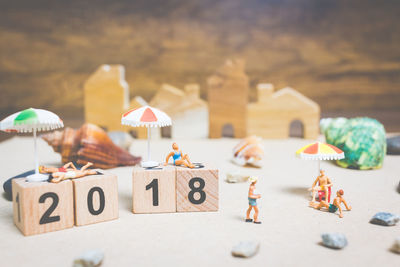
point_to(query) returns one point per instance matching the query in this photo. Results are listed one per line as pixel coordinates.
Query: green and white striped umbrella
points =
(32, 120)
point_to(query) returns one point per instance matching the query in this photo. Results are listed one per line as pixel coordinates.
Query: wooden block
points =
(96, 198)
(42, 207)
(196, 189)
(153, 190)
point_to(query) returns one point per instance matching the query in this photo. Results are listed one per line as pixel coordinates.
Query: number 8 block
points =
(41, 207)
(196, 189)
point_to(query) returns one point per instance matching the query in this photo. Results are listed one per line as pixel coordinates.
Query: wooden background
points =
(343, 54)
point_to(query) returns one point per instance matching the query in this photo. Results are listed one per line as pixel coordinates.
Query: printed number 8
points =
(198, 189)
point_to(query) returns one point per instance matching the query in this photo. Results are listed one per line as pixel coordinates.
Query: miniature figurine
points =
(68, 171)
(321, 183)
(253, 196)
(332, 207)
(179, 158)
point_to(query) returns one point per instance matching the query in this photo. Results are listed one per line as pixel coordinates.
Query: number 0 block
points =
(153, 190)
(41, 207)
(196, 189)
(96, 198)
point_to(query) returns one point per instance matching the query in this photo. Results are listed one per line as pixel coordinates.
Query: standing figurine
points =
(321, 183)
(179, 158)
(68, 171)
(333, 207)
(253, 196)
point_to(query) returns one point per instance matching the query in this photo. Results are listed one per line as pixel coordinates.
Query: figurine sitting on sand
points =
(333, 207)
(321, 183)
(253, 196)
(68, 171)
(179, 158)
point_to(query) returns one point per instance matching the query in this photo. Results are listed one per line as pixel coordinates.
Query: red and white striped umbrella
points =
(148, 117)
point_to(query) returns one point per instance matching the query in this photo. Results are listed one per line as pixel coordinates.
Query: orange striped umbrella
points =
(320, 151)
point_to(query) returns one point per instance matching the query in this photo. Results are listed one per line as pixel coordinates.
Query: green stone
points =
(363, 141)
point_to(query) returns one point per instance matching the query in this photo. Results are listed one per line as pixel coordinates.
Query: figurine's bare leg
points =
(314, 193)
(186, 157)
(89, 164)
(248, 212)
(326, 194)
(182, 162)
(255, 214)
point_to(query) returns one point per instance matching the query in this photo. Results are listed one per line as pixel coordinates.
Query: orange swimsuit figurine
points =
(253, 196)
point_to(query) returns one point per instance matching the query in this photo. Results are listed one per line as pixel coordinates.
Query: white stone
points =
(246, 249)
(90, 258)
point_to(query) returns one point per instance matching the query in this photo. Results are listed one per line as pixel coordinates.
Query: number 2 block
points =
(41, 207)
(153, 190)
(196, 189)
(96, 198)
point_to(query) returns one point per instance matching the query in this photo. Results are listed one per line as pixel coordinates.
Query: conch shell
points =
(89, 143)
(249, 151)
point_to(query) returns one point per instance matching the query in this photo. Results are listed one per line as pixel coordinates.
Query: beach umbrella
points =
(149, 117)
(320, 151)
(28, 121)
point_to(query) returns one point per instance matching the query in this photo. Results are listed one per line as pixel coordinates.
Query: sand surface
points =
(289, 235)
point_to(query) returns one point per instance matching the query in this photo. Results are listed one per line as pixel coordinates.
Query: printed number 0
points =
(198, 189)
(90, 200)
(46, 218)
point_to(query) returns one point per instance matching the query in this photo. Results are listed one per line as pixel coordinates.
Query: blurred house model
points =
(189, 113)
(106, 97)
(273, 113)
(228, 91)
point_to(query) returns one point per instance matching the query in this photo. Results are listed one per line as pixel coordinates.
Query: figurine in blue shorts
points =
(253, 196)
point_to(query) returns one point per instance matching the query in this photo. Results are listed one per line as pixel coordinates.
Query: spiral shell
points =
(249, 151)
(89, 143)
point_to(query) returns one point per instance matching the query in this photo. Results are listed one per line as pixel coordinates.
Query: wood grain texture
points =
(90, 189)
(28, 212)
(272, 114)
(183, 190)
(143, 199)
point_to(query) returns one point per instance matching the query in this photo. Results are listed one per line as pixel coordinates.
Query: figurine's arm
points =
(315, 182)
(329, 184)
(167, 159)
(340, 211)
(69, 164)
(345, 204)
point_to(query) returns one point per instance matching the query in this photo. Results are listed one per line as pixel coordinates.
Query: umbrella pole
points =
(35, 151)
(148, 143)
(319, 166)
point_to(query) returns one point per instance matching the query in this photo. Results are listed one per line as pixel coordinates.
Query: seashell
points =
(121, 139)
(89, 143)
(249, 151)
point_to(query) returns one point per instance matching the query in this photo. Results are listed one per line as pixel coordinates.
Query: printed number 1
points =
(154, 185)
(19, 210)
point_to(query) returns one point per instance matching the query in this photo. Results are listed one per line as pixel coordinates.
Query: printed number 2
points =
(46, 218)
(154, 185)
(198, 189)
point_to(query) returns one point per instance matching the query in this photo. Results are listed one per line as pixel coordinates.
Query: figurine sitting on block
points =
(68, 171)
(333, 207)
(179, 158)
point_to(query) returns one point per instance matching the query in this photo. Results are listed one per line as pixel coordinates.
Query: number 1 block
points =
(41, 207)
(196, 189)
(153, 190)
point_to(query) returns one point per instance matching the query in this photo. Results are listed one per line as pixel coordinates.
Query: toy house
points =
(228, 91)
(106, 97)
(189, 113)
(273, 113)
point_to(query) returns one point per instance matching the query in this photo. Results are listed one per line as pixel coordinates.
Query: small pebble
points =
(393, 145)
(236, 177)
(385, 219)
(396, 245)
(334, 240)
(90, 258)
(246, 249)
